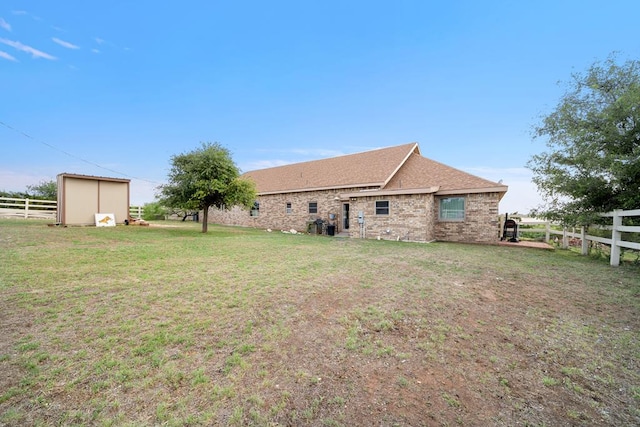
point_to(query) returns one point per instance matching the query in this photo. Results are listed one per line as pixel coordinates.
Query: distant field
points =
(163, 325)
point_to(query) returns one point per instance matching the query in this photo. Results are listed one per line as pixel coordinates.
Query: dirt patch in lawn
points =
(500, 354)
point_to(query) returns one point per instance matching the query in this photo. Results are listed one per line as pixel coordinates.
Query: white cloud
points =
(95, 51)
(99, 40)
(4, 24)
(483, 170)
(19, 12)
(18, 181)
(5, 55)
(262, 164)
(65, 43)
(317, 152)
(521, 197)
(35, 53)
(142, 192)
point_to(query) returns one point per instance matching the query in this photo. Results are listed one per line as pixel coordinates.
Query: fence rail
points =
(27, 208)
(615, 241)
(11, 207)
(135, 211)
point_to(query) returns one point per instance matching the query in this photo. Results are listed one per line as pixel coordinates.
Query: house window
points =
(382, 207)
(313, 207)
(451, 209)
(255, 209)
(289, 207)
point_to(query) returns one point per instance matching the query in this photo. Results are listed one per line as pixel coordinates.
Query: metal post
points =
(26, 208)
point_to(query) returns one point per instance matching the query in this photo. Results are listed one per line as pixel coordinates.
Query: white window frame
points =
(316, 207)
(288, 208)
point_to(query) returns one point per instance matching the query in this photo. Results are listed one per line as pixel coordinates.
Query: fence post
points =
(583, 239)
(616, 236)
(565, 239)
(26, 208)
(547, 228)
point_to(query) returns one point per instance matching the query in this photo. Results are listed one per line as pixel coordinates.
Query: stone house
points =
(391, 193)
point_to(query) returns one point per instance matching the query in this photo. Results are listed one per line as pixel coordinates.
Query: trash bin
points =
(331, 230)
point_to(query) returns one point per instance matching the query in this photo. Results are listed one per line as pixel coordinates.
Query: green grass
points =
(168, 326)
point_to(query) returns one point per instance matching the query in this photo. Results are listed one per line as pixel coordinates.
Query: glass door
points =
(345, 216)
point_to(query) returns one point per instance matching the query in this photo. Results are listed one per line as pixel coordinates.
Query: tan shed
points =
(81, 197)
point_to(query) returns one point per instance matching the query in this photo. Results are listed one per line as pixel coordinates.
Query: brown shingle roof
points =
(393, 168)
(421, 172)
(368, 169)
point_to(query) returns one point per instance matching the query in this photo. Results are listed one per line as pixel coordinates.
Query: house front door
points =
(345, 216)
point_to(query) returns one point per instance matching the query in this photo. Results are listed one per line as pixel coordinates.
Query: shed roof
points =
(92, 177)
(398, 168)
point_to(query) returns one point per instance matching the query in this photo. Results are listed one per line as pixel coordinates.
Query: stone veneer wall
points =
(235, 216)
(411, 217)
(273, 213)
(481, 223)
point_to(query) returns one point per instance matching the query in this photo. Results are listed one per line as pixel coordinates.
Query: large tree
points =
(593, 137)
(205, 177)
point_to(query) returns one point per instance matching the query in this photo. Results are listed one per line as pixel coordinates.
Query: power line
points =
(26, 135)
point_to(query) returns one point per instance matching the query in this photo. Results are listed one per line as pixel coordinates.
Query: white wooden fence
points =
(27, 208)
(135, 211)
(42, 209)
(615, 241)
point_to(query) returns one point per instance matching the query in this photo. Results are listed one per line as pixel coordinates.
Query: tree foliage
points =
(153, 211)
(46, 190)
(14, 194)
(593, 136)
(203, 178)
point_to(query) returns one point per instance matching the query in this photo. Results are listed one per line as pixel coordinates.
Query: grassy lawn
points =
(163, 325)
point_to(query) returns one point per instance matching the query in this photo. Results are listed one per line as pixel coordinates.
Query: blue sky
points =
(116, 88)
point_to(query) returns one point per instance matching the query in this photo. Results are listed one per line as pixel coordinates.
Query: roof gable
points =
(420, 172)
(368, 169)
